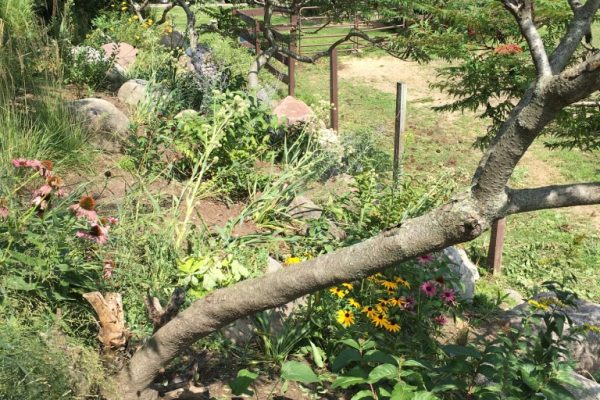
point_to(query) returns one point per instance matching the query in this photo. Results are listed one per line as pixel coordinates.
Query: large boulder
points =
(465, 269)
(294, 111)
(124, 54)
(173, 40)
(103, 118)
(586, 318)
(133, 92)
(587, 390)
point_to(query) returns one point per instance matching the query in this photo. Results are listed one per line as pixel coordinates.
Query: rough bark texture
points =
(462, 219)
(113, 333)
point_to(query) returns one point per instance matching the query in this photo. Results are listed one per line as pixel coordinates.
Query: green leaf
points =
(240, 384)
(238, 270)
(384, 371)
(363, 394)
(345, 382)
(344, 358)
(316, 354)
(413, 363)
(299, 372)
(352, 343)
(454, 350)
(379, 357)
(18, 283)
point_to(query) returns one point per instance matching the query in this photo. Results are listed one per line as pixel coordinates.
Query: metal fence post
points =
(400, 124)
(333, 89)
(496, 245)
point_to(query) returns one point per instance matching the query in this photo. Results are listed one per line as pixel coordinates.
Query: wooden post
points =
(400, 125)
(257, 38)
(355, 40)
(291, 61)
(333, 90)
(496, 245)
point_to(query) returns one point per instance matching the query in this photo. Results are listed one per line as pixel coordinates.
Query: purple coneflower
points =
(448, 296)
(3, 213)
(97, 233)
(409, 303)
(429, 288)
(440, 320)
(425, 259)
(85, 209)
(107, 271)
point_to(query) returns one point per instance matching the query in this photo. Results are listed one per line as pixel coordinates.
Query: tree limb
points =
(578, 28)
(191, 25)
(166, 11)
(526, 200)
(522, 10)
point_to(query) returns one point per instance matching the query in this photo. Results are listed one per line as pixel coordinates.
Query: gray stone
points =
(173, 40)
(303, 208)
(585, 351)
(587, 390)
(133, 92)
(465, 269)
(102, 117)
(186, 114)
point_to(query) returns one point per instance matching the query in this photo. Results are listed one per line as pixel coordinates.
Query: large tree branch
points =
(191, 25)
(522, 10)
(526, 200)
(578, 28)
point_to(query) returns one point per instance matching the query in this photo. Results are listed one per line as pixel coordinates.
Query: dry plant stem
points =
(462, 219)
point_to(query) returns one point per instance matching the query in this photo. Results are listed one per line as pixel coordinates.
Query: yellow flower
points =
(370, 311)
(392, 326)
(402, 282)
(389, 285)
(354, 303)
(292, 260)
(338, 292)
(345, 317)
(379, 320)
(150, 21)
(396, 301)
(347, 285)
(124, 8)
(537, 305)
(374, 278)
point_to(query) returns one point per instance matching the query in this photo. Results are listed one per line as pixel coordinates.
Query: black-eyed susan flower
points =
(347, 286)
(403, 282)
(369, 311)
(345, 317)
(379, 320)
(338, 292)
(354, 303)
(392, 326)
(396, 301)
(389, 285)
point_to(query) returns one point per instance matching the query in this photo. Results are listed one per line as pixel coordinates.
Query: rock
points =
(115, 76)
(102, 117)
(514, 297)
(124, 54)
(242, 331)
(266, 94)
(203, 63)
(173, 40)
(133, 91)
(293, 111)
(186, 114)
(304, 208)
(585, 351)
(587, 390)
(466, 270)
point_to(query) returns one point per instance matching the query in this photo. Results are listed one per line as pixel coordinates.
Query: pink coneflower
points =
(96, 234)
(409, 303)
(109, 221)
(85, 209)
(43, 167)
(429, 288)
(448, 296)
(425, 259)
(440, 320)
(3, 213)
